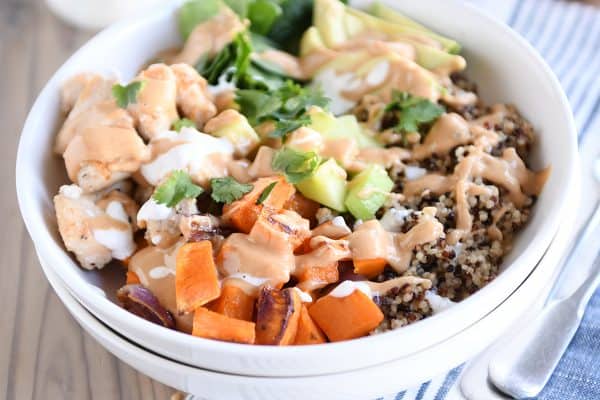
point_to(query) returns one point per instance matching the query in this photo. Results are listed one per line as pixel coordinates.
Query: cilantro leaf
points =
(125, 95)
(182, 123)
(412, 111)
(194, 12)
(287, 106)
(226, 190)
(262, 14)
(263, 196)
(296, 165)
(177, 187)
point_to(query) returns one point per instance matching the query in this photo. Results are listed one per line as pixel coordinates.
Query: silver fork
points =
(522, 368)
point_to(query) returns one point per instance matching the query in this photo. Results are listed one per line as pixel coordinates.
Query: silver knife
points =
(523, 367)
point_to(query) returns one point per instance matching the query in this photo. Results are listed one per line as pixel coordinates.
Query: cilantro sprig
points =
(176, 187)
(125, 95)
(287, 106)
(227, 190)
(412, 112)
(295, 165)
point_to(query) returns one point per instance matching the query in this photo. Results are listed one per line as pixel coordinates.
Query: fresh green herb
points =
(125, 95)
(296, 165)
(233, 61)
(182, 123)
(413, 111)
(295, 18)
(194, 12)
(263, 196)
(287, 106)
(240, 7)
(227, 190)
(262, 15)
(177, 187)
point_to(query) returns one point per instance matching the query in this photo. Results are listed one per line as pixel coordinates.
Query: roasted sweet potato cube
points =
(283, 225)
(308, 331)
(211, 325)
(305, 207)
(243, 213)
(196, 278)
(349, 317)
(369, 268)
(277, 315)
(234, 302)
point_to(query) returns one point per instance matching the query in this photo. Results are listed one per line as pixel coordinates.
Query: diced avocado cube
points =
(327, 185)
(345, 126)
(367, 192)
(234, 127)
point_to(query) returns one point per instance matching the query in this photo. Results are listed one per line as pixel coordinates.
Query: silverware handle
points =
(525, 363)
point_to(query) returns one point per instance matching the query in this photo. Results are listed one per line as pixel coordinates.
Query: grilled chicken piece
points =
(96, 229)
(193, 98)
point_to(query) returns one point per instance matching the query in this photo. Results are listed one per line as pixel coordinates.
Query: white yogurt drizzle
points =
(437, 302)
(305, 297)
(346, 288)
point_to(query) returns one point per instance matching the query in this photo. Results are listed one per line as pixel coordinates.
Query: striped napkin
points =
(567, 35)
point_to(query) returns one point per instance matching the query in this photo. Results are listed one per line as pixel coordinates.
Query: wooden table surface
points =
(44, 354)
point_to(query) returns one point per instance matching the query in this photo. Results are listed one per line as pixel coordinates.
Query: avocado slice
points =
(327, 185)
(368, 191)
(391, 15)
(233, 126)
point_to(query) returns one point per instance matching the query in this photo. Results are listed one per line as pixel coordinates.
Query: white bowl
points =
(506, 69)
(365, 383)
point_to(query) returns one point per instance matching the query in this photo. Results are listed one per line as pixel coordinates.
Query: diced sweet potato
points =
(319, 267)
(349, 317)
(196, 278)
(243, 213)
(283, 225)
(307, 208)
(369, 268)
(234, 302)
(308, 331)
(277, 315)
(132, 278)
(212, 325)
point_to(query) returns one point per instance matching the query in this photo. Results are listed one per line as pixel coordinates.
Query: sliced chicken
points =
(95, 229)
(102, 155)
(89, 102)
(156, 108)
(193, 98)
(162, 223)
(210, 37)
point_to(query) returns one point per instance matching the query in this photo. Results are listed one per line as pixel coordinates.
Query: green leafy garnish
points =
(296, 165)
(182, 123)
(194, 12)
(233, 61)
(262, 14)
(287, 106)
(227, 190)
(125, 95)
(412, 112)
(177, 187)
(296, 17)
(263, 196)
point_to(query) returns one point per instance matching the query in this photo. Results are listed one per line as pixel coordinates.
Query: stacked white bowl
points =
(506, 69)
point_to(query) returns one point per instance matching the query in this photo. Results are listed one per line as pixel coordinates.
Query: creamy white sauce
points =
(346, 288)
(222, 85)
(251, 280)
(333, 84)
(71, 191)
(340, 222)
(437, 302)
(119, 242)
(189, 156)
(411, 172)
(305, 297)
(116, 211)
(152, 211)
(393, 219)
(358, 223)
(155, 239)
(378, 74)
(160, 272)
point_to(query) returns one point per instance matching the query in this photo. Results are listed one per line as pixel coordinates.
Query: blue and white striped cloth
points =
(567, 35)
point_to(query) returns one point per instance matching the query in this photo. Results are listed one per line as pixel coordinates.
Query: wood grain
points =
(44, 354)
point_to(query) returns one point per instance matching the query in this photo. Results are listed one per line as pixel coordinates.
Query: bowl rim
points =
(60, 257)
